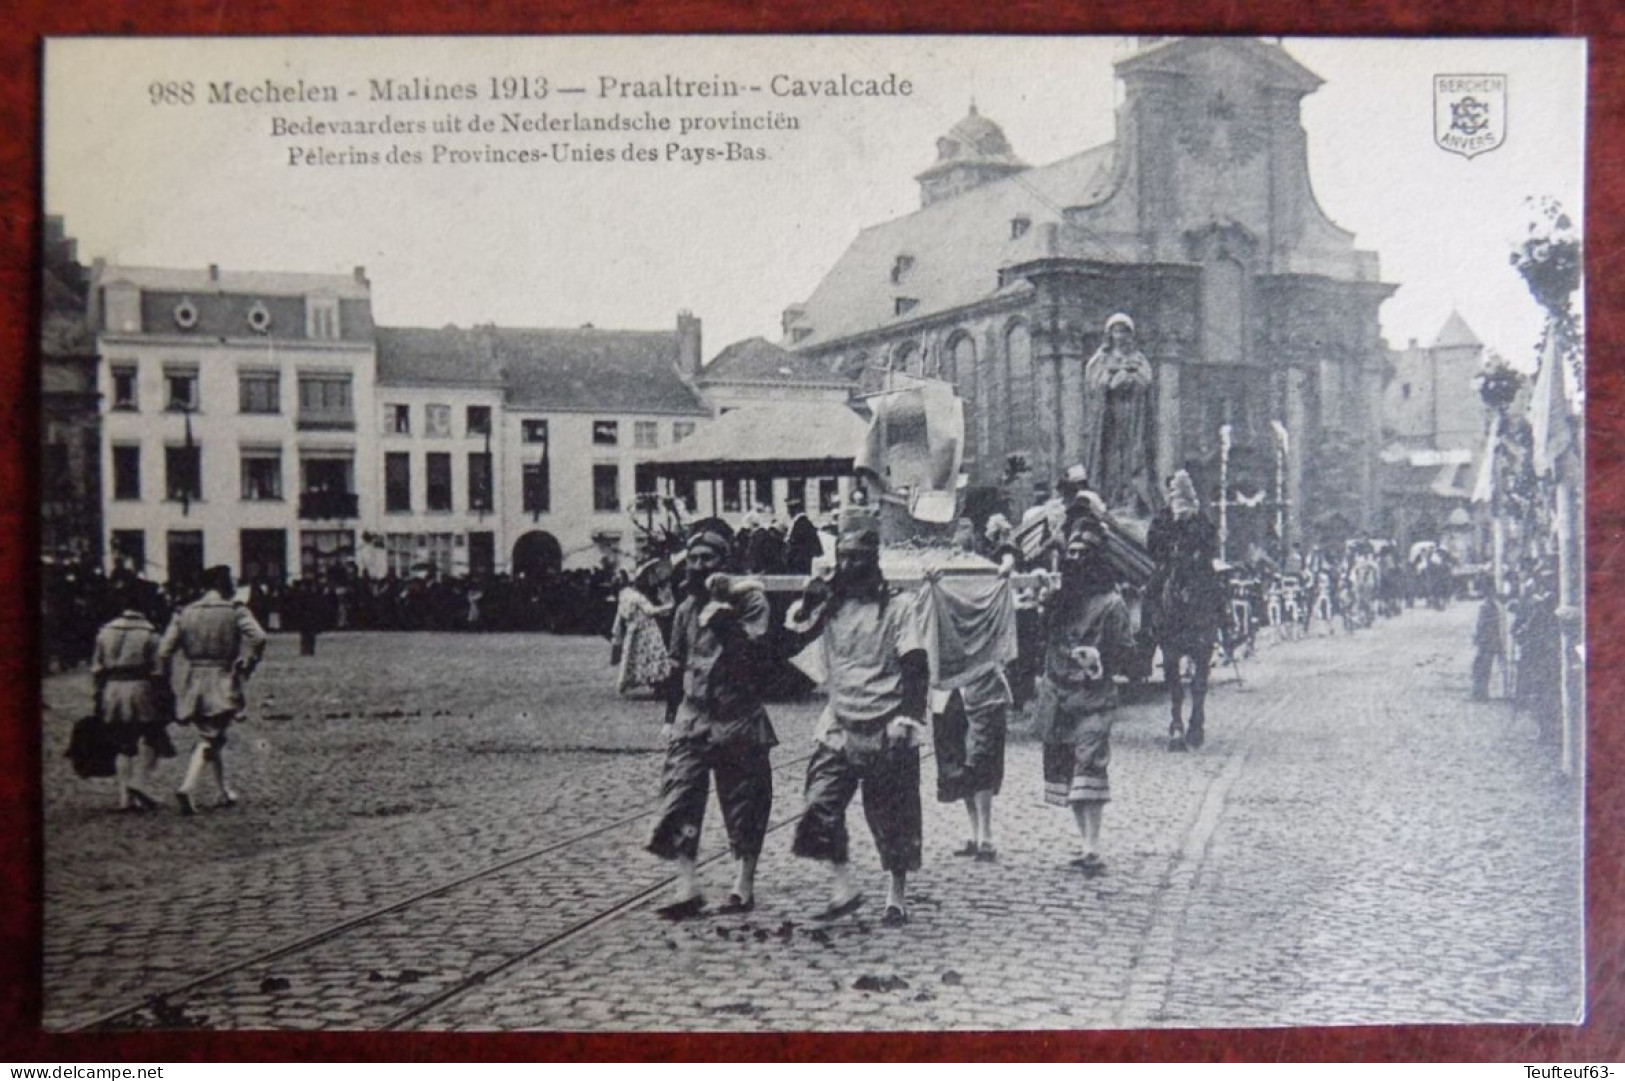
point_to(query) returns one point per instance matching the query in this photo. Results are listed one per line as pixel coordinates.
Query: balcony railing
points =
(326, 420)
(337, 505)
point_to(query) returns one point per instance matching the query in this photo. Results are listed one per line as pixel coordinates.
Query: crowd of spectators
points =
(77, 599)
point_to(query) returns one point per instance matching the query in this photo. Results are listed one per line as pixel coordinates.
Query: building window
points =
(533, 431)
(325, 402)
(646, 434)
(398, 549)
(606, 487)
(437, 421)
(259, 392)
(681, 430)
(480, 498)
(322, 317)
(904, 305)
(1019, 227)
(328, 488)
(1405, 391)
(262, 475)
(438, 469)
(264, 555)
(479, 420)
(900, 268)
(183, 473)
(325, 552)
(537, 489)
(397, 419)
(130, 549)
(185, 556)
(606, 433)
(686, 493)
(482, 554)
(127, 472)
(829, 493)
(124, 388)
(397, 483)
(438, 550)
(180, 390)
(731, 501)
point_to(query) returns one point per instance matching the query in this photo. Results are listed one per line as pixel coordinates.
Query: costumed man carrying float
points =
(715, 725)
(1186, 603)
(877, 679)
(1088, 639)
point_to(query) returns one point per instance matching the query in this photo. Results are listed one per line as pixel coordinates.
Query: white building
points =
(230, 417)
(573, 414)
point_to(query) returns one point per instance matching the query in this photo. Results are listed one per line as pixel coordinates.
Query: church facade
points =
(1259, 315)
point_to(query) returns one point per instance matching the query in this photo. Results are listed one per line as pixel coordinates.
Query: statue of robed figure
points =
(1117, 410)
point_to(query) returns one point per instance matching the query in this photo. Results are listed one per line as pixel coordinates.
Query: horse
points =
(1190, 606)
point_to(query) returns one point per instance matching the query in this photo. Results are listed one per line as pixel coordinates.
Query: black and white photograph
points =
(1103, 516)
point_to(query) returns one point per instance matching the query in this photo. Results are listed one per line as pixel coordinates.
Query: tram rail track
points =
(177, 998)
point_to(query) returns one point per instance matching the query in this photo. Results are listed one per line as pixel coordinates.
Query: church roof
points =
(545, 369)
(1171, 54)
(974, 140)
(757, 360)
(954, 246)
(1455, 333)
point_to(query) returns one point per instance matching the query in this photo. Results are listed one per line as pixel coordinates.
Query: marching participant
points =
(715, 725)
(130, 699)
(1088, 640)
(868, 737)
(222, 644)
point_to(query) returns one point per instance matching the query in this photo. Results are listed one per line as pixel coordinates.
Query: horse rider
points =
(1189, 603)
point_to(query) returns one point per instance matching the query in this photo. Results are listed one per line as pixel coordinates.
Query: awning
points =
(783, 439)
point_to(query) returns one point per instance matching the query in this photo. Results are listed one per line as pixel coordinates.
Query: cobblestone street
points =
(1355, 844)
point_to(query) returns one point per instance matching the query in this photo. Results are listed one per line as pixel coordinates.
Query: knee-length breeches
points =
(744, 791)
(890, 780)
(970, 749)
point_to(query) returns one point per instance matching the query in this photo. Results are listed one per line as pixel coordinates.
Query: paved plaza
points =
(1357, 843)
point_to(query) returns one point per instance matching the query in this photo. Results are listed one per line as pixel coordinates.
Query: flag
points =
(1549, 410)
(1484, 486)
(190, 474)
(1033, 536)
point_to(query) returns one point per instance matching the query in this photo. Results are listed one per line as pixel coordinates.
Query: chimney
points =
(361, 276)
(688, 343)
(94, 307)
(794, 314)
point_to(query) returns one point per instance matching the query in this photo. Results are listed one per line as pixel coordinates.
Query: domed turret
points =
(973, 152)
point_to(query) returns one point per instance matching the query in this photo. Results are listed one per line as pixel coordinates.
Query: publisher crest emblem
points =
(1469, 113)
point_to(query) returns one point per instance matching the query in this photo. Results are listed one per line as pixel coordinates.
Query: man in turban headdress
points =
(1088, 639)
(715, 724)
(868, 736)
(1117, 424)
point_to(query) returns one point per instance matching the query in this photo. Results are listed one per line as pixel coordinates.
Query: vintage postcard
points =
(1102, 515)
